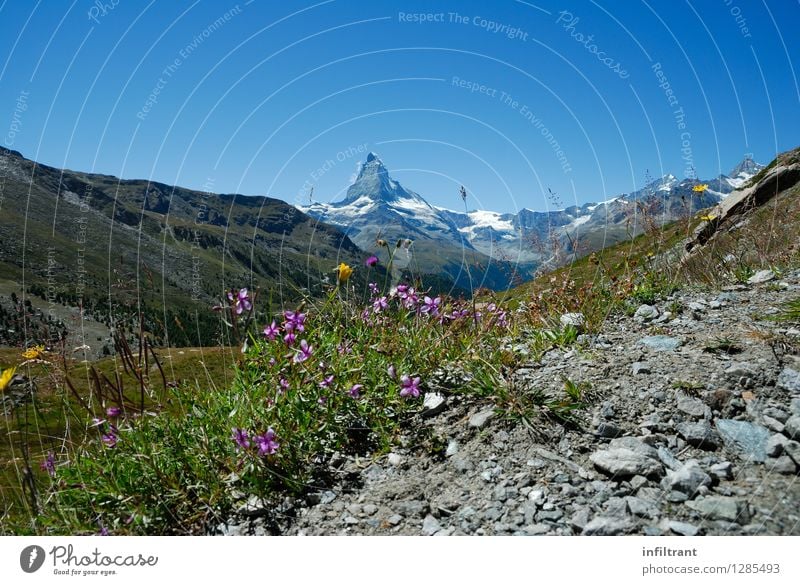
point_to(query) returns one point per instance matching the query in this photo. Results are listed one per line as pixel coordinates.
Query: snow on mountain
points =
(378, 206)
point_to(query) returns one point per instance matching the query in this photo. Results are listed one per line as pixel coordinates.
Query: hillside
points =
(118, 247)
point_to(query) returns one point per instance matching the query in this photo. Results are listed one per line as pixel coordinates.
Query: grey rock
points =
(479, 420)
(775, 445)
(693, 407)
(370, 509)
(538, 529)
(772, 424)
(374, 472)
(607, 430)
(789, 379)
(351, 521)
(430, 525)
(603, 526)
(739, 370)
(433, 403)
(777, 413)
(699, 434)
(682, 528)
(668, 459)
(452, 448)
(549, 515)
(576, 320)
(536, 496)
(579, 520)
(747, 439)
(640, 369)
(394, 519)
(792, 449)
(462, 464)
(635, 445)
(784, 465)
(791, 427)
(687, 479)
(697, 307)
(721, 508)
(722, 471)
(638, 481)
(761, 276)
(411, 507)
(642, 508)
(645, 313)
(795, 406)
(395, 459)
(625, 463)
(661, 342)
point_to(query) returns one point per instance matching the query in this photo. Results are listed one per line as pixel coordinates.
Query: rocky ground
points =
(693, 427)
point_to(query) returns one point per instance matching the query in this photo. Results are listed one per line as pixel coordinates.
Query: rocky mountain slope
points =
(116, 246)
(691, 425)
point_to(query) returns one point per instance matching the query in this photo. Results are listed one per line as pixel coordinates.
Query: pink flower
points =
(241, 301)
(371, 261)
(355, 391)
(304, 353)
(410, 387)
(267, 443)
(271, 331)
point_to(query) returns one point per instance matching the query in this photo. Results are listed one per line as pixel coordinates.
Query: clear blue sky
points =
(275, 97)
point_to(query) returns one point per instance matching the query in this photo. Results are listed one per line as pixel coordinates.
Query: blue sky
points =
(508, 98)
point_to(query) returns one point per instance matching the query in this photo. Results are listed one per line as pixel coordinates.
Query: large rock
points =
(747, 439)
(661, 342)
(694, 407)
(645, 313)
(761, 276)
(687, 479)
(625, 463)
(792, 427)
(789, 379)
(604, 526)
(721, 508)
(699, 434)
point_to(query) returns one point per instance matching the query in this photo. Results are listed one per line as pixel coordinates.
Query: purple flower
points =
(241, 301)
(289, 338)
(109, 439)
(271, 331)
(326, 382)
(241, 438)
(410, 387)
(380, 305)
(283, 386)
(294, 321)
(113, 411)
(103, 531)
(49, 464)
(355, 390)
(304, 353)
(392, 372)
(267, 443)
(373, 288)
(371, 261)
(431, 306)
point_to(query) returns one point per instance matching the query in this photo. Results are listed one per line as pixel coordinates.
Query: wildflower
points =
(699, 188)
(708, 217)
(49, 464)
(96, 422)
(109, 439)
(304, 353)
(431, 306)
(241, 301)
(382, 243)
(344, 348)
(33, 353)
(113, 411)
(355, 390)
(392, 372)
(380, 305)
(326, 382)
(294, 321)
(371, 261)
(241, 438)
(103, 531)
(344, 272)
(410, 387)
(6, 377)
(373, 288)
(289, 338)
(271, 331)
(267, 443)
(283, 385)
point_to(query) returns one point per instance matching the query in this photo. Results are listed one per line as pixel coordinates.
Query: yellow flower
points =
(699, 188)
(33, 353)
(344, 272)
(708, 217)
(6, 377)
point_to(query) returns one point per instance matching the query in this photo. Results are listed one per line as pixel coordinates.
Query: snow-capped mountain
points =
(447, 241)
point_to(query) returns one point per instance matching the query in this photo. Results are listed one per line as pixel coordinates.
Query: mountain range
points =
(500, 247)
